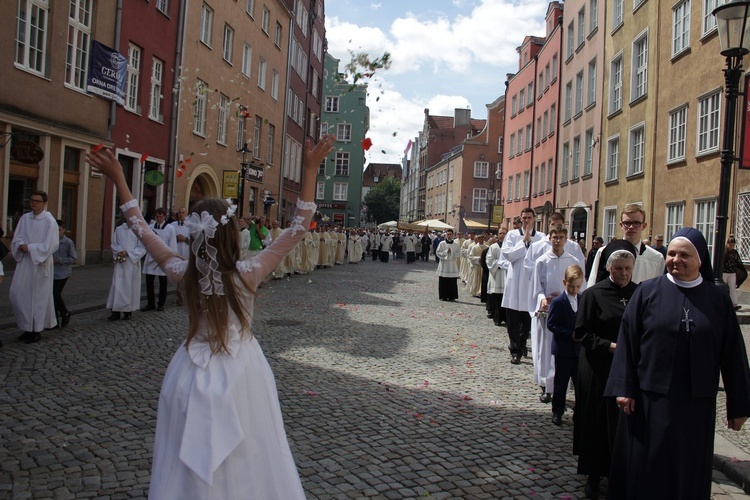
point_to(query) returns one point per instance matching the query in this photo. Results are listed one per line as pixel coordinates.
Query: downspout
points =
(286, 104)
(533, 129)
(558, 114)
(178, 61)
(655, 127)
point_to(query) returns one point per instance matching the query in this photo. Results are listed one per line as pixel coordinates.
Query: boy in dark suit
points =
(561, 321)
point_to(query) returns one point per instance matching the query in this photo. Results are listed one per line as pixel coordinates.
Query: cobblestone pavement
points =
(386, 391)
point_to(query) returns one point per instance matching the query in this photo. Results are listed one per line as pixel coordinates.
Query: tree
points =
(383, 201)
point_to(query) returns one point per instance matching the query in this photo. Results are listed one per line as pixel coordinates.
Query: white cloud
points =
(376, 6)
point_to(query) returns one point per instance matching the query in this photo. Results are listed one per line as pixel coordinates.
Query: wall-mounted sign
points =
(230, 188)
(254, 173)
(334, 206)
(107, 72)
(26, 152)
(154, 178)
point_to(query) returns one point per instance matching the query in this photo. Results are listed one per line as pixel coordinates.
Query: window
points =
(579, 94)
(615, 84)
(344, 132)
(536, 180)
(320, 190)
(31, 35)
(279, 31)
(340, 191)
(708, 123)
(302, 17)
(545, 124)
(613, 158)
(617, 10)
(514, 106)
(593, 15)
(546, 76)
(275, 85)
(163, 6)
(479, 200)
(681, 27)
(538, 130)
(510, 187)
(157, 72)
(223, 123)
(640, 67)
(709, 21)
(256, 137)
(312, 125)
(675, 214)
(592, 84)
(568, 100)
(542, 177)
(677, 129)
(71, 159)
(581, 26)
(247, 59)
(250, 8)
(554, 68)
(565, 163)
(332, 104)
(637, 150)
(133, 77)
(317, 45)
(571, 41)
(520, 142)
(199, 115)
(528, 137)
(530, 94)
(540, 85)
(705, 218)
(342, 163)
(207, 17)
(526, 183)
(588, 166)
(240, 133)
(262, 73)
(576, 158)
(552, 119)
(79, 35)
(315, 83)
(228, 43)
(481, 169)
(610, 223)
(521, 100)
(550, 170)
(512, 151)
(265, 20)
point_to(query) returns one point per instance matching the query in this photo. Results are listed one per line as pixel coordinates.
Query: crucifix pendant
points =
(624, 301)
(687, 319)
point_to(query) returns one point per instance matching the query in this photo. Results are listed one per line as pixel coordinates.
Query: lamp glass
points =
(734, 31)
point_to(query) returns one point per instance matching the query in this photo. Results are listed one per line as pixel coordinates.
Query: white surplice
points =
(125, 291)
(514, 250)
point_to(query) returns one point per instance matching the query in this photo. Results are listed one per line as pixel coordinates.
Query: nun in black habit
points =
(597, 324)
(678, 332)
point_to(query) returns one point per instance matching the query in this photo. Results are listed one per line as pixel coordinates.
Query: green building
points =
(345, 113)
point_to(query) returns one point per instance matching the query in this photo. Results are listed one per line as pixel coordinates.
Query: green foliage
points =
(383, 201)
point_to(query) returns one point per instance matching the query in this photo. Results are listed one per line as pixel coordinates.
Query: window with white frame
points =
(275, 85)
(479, 200)
(514, 106)
(247, 59)
(521, 100)
(157, 75)
(344, 132)
(546, 76)
(617, 13)
(526, 183)
(530, 94)
(709, 110)
(518, 187)
(529, 138)
(538, 133)
(262, 66)
(510, 187)
(133, 77)
(31, 35)
(581, 26)
(163, 6)
(568, 100)
(269, 150)
(593, 14)
(676, 135)
(576, 158)
(279, 32)
(240, 133)
(257, 136)
(681, 27)
(591, 100)
(565, 163)
(609, 224)
(536, 180)
(250, 8)
(317, 45)
(228, 46)
(552, 119)
(674, 222)
(579, 94)
(550, 171)
(613, 158)
(207, 18)
(320, 190)
(312, 125)
(302, 17)
(223, 122)
(332, 104)
(637, 150)
(705, 219)
(542, 177)
(340, 191)
(315, 87)
(266, 19)
(588, 165)
(615, 84)
(571, 41)
(520, 142)
(481, 169)
(709, 20)
(79, 35)
(342, 163)
(554, 68)
(199, 113)
(639, 83)
(512, 145)
(540, 85)
(545, 124)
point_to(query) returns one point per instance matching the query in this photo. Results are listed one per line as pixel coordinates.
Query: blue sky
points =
(446, 54)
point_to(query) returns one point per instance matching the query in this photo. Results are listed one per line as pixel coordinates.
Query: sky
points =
(446, 54)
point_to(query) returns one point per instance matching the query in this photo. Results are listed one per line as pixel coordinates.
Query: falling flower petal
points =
(97, 147)
(367, 144)
(144, 157)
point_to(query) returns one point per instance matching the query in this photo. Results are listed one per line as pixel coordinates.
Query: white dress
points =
(219, 428)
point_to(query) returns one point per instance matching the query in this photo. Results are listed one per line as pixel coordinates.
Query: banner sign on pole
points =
(107, 73)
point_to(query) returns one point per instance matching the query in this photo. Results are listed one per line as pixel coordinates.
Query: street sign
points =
(269, 201)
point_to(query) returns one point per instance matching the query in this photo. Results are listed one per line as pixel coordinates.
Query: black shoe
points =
(33, 338)
(160, 308)
(114, 316)
(126, 316)
(546, 398)
(525, 352)
(489, 315)
(24, 336)
(557, 419)
(65, 319)
(515, 359)
(149, 307)
(592, 487)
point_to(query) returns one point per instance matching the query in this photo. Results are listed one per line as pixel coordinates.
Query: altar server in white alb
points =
(35, 240)
(448, 252)
(546, 284)
(125, 292)
(542, 246)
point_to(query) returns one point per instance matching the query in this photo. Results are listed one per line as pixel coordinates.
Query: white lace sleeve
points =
(137, 225)
(131, 204)
(306, 205)
(177, 267)
(246, 266)
(297, 224)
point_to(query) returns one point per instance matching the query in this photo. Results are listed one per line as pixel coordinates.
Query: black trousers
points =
(375, 254)
(57, 288)
(447, 288)
(425, 254)
(519, 328)
(566, 368)
(409, 257)
(150, 290)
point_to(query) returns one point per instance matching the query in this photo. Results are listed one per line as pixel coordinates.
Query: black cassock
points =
(673, 343)
(485, 275)
(595, 418)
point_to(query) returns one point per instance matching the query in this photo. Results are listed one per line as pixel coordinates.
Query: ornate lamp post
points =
(731, 19)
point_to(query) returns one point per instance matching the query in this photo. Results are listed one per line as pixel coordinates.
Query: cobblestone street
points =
(386, 391)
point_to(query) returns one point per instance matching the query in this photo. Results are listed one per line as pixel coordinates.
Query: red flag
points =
(408, 147)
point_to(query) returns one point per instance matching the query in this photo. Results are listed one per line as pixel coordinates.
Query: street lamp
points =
(731, 19)
(243, 172)
(490, 202)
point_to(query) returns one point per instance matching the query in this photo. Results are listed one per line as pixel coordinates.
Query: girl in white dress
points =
(219, 428)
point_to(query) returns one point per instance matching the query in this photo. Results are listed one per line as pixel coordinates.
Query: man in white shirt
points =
(151, 269)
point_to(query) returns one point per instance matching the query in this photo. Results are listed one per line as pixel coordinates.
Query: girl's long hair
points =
(213, 310)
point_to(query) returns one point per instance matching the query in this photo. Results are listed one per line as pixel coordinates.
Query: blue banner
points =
(107, 73)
